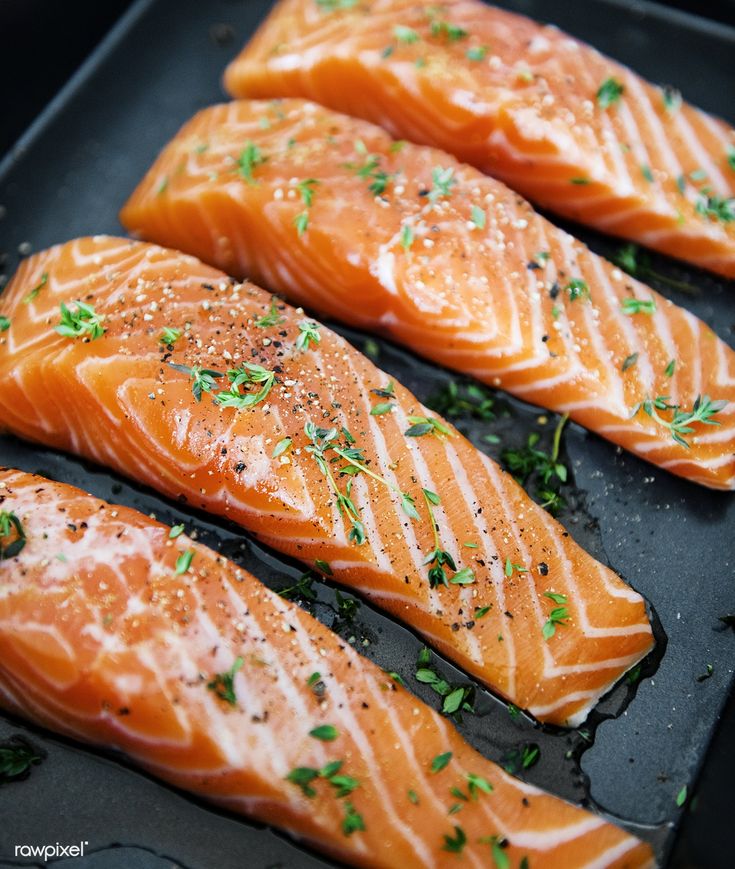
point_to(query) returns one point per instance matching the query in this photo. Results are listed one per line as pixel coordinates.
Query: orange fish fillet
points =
(207, 679)
(526, 103)
(115, 397)
(409, 242)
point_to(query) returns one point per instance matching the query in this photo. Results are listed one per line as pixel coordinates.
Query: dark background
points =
(42, 42)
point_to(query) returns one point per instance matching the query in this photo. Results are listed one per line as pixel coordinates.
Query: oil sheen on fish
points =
(571, 129)
(406, 241)
(212, 392)
(116, 634)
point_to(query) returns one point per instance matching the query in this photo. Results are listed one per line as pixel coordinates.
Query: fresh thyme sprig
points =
(272, 318)
(82, 322)
(202, 379)
(528, 460)
(248, 373)
(438, 558)
(638, 264)
(680, 424)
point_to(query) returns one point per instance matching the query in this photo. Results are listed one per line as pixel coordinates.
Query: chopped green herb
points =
(306, 190)
(4, 324)
(452, 32)
(301, 222)
(731, 157)
(478, 53)
(609, 93)
(716, 207)
(80, 323)
(497, 845)
(510, 568)
(33, 294)
(250, 158)
(347, 607)
(223, 684)
(249, 373)
(405, 34)
(413, 797)
(371, 348)
(577, 289)
(629, 362)
(443, 181)
(313, 679)
(708, 673)
(169, 336)
(353, 820)
(638, 264)
(163, 186)
(323, 566)
(381, 408)
(672, 99)
(325, 732)
(333, 5)
(455, 844)
(12, 535)
(308, 334)
(465, 576)
(16, 758)
(522, 757)
(203, 379)
(175, 532)
(183, 562)
(478, 216)
(481, 611)
(423, 425)
(670, 368)
(281, 447)
(580, 181)
(698, 175)
(557, 616)
(466, 399)
(681, 797)
(303, 776)
(406, 236)
(638, 306)
(273, 317)
(633, 675)
(478, 783)
(302, 588)
(441, 761)
(513, 710)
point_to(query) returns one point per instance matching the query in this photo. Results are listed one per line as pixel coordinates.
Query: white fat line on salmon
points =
(405, 524)
(612, 380)
(269, 752)
(617, 588)
(613, 315)
(341, 710)
(580, 603)
(493, 562)
(700, 154)
(641, 95)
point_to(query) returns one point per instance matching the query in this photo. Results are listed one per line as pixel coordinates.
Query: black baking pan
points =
(673, 541)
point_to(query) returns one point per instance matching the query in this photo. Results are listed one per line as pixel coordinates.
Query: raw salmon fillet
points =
(284, 467)
(523, 102)
(207, 679)
(406, 241)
